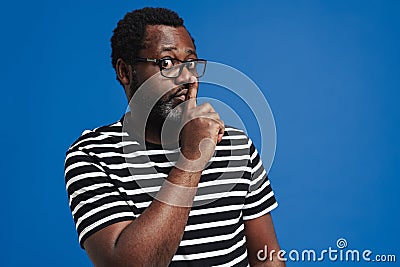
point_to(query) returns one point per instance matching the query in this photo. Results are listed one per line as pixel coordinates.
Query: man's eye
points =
(191, 64)
(167, 63)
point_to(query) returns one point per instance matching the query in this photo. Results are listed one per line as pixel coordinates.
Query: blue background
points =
(330, 72)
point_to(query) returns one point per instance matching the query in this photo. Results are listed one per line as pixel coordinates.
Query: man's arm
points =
(151, 239)
(259, 233)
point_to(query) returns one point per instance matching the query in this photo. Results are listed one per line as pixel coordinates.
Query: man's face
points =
(166, 42)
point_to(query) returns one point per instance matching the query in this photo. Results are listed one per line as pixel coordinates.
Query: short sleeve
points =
(94, 200)
(260, 198)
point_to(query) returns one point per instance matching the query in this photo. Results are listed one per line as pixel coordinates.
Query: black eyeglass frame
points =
(182, 64)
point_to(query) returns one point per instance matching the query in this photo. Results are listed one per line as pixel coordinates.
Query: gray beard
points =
(166, 120)
(165, 110)
(161, 111)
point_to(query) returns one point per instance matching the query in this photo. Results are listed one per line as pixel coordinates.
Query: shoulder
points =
(101, 135)
(238, 142)
(233, 133)
(235, 142)
(236, 136)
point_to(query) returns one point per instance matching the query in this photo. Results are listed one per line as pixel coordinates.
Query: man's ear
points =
(123, 72)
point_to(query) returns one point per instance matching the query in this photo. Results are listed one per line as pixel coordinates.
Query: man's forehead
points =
(167, 38)
(172, 48)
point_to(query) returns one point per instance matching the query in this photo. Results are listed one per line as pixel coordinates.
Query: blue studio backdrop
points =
(330, 73)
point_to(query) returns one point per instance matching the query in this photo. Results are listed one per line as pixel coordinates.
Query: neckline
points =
(147, 145)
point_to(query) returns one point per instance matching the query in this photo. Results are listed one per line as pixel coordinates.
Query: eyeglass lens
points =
(197, 68)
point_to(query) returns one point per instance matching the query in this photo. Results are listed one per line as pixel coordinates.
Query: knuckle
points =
(208, 105)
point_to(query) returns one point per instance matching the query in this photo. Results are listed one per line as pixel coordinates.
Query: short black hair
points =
(130, 32)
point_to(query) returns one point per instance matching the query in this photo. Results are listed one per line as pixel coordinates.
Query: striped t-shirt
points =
(112, 177)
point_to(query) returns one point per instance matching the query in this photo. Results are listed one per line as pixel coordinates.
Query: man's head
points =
(152, 33)
(129, 35)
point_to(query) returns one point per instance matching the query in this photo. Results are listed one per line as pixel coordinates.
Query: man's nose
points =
(186, 76)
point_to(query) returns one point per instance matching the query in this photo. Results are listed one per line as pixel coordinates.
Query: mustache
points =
(179, 90)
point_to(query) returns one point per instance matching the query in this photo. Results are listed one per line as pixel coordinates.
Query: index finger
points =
(191, 97)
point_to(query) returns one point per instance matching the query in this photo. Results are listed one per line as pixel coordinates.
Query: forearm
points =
(153, 238)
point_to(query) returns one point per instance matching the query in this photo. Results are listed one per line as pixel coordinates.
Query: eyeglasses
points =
(172, 67)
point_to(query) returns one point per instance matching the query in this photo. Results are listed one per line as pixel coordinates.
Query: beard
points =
(165, 109)
(165, 118)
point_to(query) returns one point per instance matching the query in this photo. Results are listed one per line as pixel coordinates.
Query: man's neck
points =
(155, 132)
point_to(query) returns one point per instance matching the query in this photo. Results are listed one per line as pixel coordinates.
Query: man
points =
(195, 196)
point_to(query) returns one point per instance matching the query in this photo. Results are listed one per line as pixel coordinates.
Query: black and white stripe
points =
(110, 179)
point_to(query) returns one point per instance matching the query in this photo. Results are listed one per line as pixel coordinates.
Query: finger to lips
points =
(191, 97)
